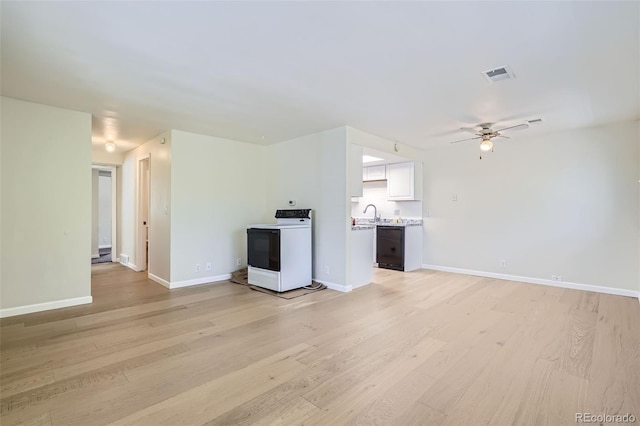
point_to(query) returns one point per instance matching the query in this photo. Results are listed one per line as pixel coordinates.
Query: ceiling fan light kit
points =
(486, 145)
(110, 146)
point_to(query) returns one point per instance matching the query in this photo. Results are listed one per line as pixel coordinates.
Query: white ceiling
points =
(265, 72)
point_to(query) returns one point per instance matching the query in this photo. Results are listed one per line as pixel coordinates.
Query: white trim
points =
(38, 307)
(540, 281)
(141, 246)
(117, 259)
(114, 211)
(131, 266)
(158, 280)
(337, 287)
(104, 246)
(197, 281)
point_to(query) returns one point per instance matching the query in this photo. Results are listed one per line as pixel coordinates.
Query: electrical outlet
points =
(503, 263)
(326, 269)
(197, 267)
(238, 262)
(556, 277)
(396, 212)
(208, 266)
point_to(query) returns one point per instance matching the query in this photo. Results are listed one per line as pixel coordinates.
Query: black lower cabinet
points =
(390, 247)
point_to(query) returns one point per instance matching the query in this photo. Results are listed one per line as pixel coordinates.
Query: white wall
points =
(104, 209)
(101, 156)
(160, 205)
(218, 187)
(312, 170)
(46, 207)
(375, 192)
(95, 213)
(562, 204)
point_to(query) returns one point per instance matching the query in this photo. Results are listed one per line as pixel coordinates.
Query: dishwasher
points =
(390, 247)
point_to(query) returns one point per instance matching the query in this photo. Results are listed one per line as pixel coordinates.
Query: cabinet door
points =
(375, 173)
(400, 181)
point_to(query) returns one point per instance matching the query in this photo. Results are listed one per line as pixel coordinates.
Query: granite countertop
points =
(387, 222)
(362, 227)
(402, 224)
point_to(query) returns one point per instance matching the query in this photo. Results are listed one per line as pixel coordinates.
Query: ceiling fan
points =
(486, 133)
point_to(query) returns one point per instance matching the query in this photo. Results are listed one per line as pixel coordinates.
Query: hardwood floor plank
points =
(614, 381)
(573, 351)
(268, 405)
(512, 362)
(424, 347)
(548, 397)
(205, 402)
(445, 392)
(26, 383)
(351, 397)
(419, 414)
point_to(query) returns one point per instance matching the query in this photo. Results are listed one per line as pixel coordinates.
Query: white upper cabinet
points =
(374, 173)
(356, 169)
(404, 181)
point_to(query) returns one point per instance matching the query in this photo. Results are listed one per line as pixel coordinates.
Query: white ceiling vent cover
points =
(498, 74)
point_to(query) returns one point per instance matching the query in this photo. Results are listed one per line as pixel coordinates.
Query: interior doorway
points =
(142, 233)
(103, 218)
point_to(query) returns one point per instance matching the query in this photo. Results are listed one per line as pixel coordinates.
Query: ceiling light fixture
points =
(110, 146)
(486, 145)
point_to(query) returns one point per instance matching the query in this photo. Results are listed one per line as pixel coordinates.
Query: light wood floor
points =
(412, 348)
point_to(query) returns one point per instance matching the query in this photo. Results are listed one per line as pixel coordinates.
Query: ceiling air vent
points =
(497, 74)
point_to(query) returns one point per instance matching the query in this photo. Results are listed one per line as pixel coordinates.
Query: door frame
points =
(114, 232)
(141, 238)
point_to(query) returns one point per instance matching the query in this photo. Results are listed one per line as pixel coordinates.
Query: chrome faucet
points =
(376, 218)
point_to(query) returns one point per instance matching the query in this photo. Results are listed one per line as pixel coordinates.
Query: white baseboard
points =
(159, 280)
(336, 287)
(105, 246)
(540, 281)
(197, 281)
(131, 266)
(38, 307)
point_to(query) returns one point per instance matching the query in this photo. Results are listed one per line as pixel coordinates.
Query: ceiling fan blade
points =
(464, 140)
(502, 136)
(469, 129)
(519, 127)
